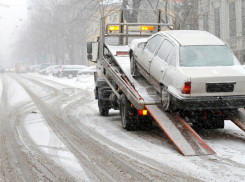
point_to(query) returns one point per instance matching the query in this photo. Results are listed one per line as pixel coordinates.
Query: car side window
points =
(165, 50)
(153, 43)
(172, 60)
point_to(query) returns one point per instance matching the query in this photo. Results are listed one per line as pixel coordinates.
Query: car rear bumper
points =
(198, 103)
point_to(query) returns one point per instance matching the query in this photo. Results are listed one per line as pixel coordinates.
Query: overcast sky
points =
(9, 20)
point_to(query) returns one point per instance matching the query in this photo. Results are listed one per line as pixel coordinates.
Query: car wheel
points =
(165, 99)
(70, 76)
(60, 75)
(104, 111)
(133, 67)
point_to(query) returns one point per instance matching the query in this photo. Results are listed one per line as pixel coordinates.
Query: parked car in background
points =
(43, 66)
(46, 71)
(57, 71)
(70, 71)
(87, 71)
(33, 68)
(37, 68)
(9, 70)
(50, 69)
(22, 69)
(1, 69)
(28, 68)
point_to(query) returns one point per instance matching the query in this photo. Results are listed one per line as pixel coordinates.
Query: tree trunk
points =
(131, 16)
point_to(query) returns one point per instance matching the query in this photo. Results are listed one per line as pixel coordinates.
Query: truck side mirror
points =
(90, 57)
(142, 45)
(89, 48)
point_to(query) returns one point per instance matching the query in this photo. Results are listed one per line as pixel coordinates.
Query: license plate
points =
(220, 87)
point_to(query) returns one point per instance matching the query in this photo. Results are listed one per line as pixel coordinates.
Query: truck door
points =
(147, 54)
(160, 64)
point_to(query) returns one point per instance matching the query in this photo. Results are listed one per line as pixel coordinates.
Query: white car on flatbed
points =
(193, 70)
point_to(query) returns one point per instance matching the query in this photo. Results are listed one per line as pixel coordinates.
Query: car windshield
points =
(206, 56)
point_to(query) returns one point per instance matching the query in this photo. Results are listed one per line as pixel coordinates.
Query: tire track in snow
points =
(18, 162)
(14, 166)
(166, 173)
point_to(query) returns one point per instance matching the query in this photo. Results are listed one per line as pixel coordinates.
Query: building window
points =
(205, 22)
(232, 19)
(217, 21)
(243, 17)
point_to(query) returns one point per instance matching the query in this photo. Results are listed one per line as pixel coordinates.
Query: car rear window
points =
(206, 56)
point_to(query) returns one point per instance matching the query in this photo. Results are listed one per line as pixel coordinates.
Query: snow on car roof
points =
(194, 37)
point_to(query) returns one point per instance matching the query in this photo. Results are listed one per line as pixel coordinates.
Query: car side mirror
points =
(142, 45)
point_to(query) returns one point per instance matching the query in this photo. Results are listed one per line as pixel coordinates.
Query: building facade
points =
(226, 20)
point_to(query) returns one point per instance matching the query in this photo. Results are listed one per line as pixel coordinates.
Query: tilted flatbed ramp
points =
(144, 95)
(237, 117)
(187, 141)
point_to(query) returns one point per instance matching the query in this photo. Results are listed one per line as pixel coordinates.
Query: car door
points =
(147, 54)
(160, 64)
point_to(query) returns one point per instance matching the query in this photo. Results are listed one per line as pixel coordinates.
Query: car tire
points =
(165, 99)
(60, 75)
(104, 111)
(133, 67)
(70, 76)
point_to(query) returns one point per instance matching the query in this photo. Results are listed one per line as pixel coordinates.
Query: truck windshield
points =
(206, 56)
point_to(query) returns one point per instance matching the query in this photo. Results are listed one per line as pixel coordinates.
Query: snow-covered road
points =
(51, 130)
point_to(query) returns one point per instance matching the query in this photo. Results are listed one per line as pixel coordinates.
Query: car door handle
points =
(162, 69)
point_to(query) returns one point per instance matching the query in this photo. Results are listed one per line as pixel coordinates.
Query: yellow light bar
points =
(147, 28)
(112, 28)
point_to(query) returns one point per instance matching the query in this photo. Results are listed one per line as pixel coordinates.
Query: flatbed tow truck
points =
(136, 98)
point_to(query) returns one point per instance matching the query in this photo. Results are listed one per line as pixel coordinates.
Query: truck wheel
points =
(165, 99)
(70, 76)
(133, 67)
(144, 123)
(127, 122)
(104, 111)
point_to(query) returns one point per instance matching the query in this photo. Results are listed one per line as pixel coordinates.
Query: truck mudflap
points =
(236, 116)
(187, 141)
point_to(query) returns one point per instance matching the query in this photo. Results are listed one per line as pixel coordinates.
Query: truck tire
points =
(133, 67)
(127, 122)
(104, 111)
(165, 99)
(70, 76)
(144, 123)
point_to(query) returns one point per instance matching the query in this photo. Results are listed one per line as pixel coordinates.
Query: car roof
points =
(193, 37)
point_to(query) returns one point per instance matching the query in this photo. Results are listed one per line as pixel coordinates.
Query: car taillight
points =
(62, 69)
(187, 88)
